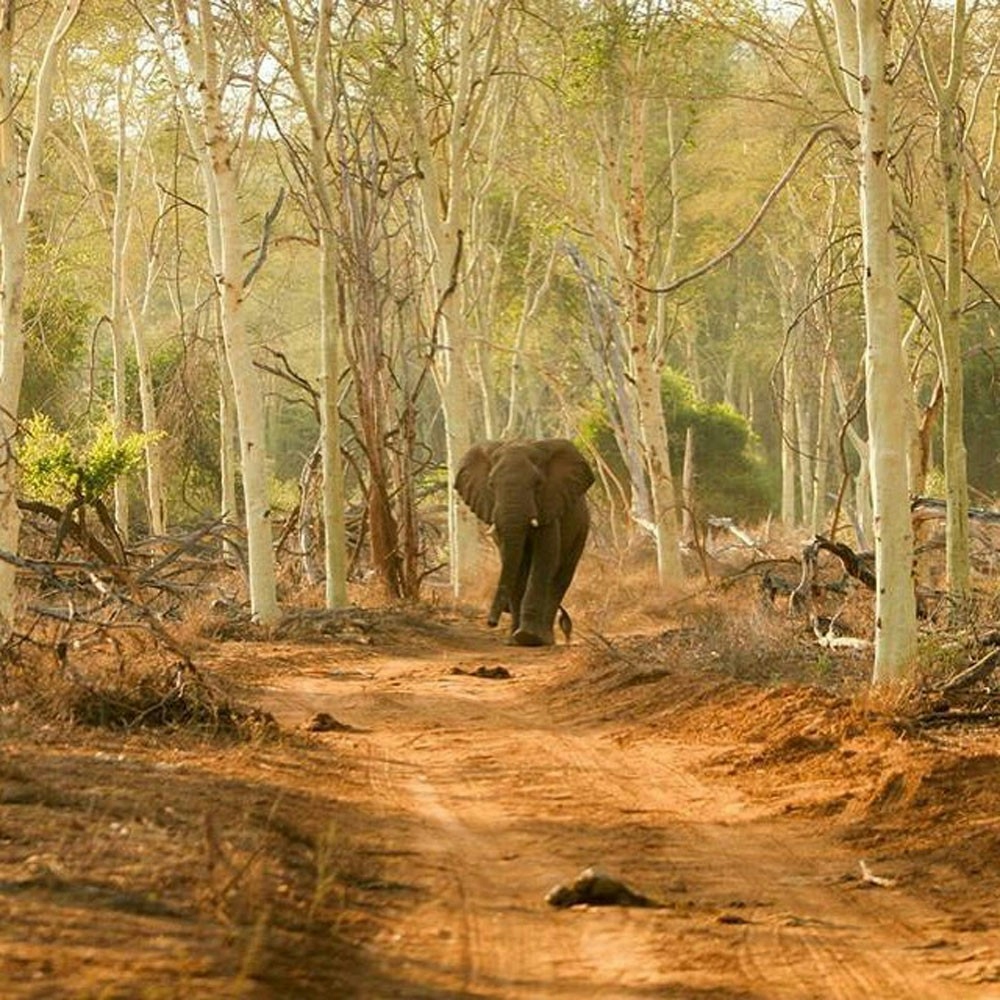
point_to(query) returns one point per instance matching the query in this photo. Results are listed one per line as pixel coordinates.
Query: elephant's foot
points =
(533, 637)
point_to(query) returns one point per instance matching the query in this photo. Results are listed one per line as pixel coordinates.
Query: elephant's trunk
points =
(512, 545)
(538, 605)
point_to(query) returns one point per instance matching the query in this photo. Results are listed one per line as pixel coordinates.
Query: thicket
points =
(732, 478)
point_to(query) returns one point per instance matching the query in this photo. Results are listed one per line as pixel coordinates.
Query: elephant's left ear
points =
(473, 480)
(568, 476)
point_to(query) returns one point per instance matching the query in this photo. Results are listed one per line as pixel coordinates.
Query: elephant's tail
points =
(565, 624)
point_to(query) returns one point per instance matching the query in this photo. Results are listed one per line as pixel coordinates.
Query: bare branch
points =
(265, 239)
(754, 222)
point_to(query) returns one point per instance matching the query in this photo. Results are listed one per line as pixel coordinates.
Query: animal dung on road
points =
(495, 673)
(592, 887)
(323, 722)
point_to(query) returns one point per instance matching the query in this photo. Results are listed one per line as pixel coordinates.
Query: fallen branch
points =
(110, 594)
(67, 524)
(979, 671)
(870, 878)
(828, 638)
(856, 565)
(932, 507)
(949, 718)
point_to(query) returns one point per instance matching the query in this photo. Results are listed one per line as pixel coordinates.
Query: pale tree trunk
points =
(122, 318)
(139, 322)
(654, 436)
(228, 435)
(804, 422)
(687, 486)
(789, 447)
(483, 281)
(445, 196)
(333, 501)
(982, 167)
(317, 100)
(821, 459)
(215, 150)
(827, 448)
(608, 360)
(647, 363)
(156, 502)
(533, 298)
(119, 238)
(156, 497)
(783, 277)
(862, 483)
(18, 185)
(920, 419)
(490, 241)
(947, 302)
(885, 369)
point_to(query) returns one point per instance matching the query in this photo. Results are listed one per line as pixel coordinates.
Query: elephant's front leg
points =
(537, 608)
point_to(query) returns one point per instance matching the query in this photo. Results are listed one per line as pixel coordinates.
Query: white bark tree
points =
(865, 75)
(318, 100)
(139, 313)
(216, 149)
(635, 244)
(117, 208)
(946, 294)
(23, 129)
(648, 345)
(470, 34)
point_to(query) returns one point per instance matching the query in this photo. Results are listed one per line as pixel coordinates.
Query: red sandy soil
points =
(803, 838)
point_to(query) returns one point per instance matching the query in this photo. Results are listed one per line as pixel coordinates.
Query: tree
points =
(945, 293)
(443, 119)
(318, 96)
(863, 39)
(63, 480)
(20, 169)
(620, 69)
(117, 204)
(215, 149)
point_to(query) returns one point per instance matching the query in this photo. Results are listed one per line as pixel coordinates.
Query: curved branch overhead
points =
(719, 258)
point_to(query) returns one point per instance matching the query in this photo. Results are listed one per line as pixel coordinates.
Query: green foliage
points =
(982, 421)
(188, 411)
(55, 332)
(730, 476)
(56, 470)
(292, 434)
(282, 495)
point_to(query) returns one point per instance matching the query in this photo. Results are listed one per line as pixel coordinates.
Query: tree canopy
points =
(451, 220)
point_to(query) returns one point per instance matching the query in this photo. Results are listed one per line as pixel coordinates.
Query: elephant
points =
(531, 493)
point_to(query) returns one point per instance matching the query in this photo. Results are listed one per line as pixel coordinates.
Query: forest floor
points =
(426, 786)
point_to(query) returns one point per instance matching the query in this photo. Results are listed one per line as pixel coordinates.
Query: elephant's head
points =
(514, 485)
(523, 489)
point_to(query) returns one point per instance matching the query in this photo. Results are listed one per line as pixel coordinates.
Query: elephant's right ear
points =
(473, 480)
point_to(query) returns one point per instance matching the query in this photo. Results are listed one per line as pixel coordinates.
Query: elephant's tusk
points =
(534, 522)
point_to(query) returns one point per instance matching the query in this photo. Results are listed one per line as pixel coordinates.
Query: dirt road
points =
(489, 792)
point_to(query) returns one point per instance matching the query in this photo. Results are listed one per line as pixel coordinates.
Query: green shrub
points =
(55, 470)
(730, 477)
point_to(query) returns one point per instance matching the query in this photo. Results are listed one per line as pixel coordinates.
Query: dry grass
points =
(126, 684)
